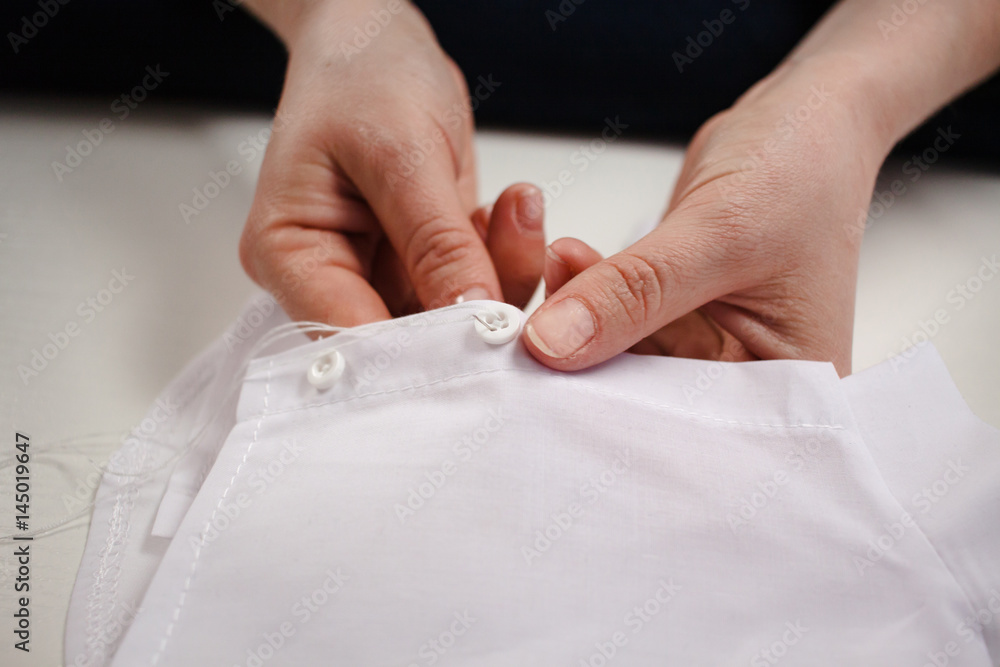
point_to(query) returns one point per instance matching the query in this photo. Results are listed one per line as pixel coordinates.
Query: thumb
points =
(619, 301)
(421, 208)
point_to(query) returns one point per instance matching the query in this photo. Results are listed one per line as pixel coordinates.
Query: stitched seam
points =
(590, 387)
(354, 338)
(208, 524)
(103, 596)
(102, 599)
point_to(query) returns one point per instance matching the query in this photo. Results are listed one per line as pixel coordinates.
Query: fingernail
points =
(473, 294)
(551, 254)
(553, 271)
(529, 211)
(562, 329)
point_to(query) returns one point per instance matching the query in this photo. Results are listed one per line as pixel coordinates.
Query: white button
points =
(498, 325)
(326, 370)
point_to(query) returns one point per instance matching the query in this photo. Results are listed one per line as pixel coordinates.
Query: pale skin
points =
(756, 256)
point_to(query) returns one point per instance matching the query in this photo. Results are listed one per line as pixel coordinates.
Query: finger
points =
(315, 276)
(481, 221)
(468, 182)
(693, 336)
(309, 239)
(619, 301)
(516, 241)
(422, 212)
(566, 258)
(391, 282)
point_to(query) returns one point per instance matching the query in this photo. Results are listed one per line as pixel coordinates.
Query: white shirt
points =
(447, 500)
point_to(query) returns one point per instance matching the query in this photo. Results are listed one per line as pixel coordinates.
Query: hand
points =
(364, 202)
(756, 257)
(757, 254)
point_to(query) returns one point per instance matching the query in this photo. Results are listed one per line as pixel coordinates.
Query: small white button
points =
(326, 369)
(498, 325)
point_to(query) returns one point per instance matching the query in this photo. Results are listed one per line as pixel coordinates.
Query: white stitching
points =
(208, 524)
(583, 385)
(103, 597)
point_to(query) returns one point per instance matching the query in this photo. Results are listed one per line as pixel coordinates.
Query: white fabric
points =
(451, 501)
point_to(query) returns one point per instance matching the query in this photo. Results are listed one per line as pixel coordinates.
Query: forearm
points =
(906, 65)
(286, 17)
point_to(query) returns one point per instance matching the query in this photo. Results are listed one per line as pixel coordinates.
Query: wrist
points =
(900, 66)
(824, 100)
(291, 20)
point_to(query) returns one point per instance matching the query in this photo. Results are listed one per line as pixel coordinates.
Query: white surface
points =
(61, 241)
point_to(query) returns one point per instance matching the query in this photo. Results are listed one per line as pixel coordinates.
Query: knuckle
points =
(401, 150)
(434, 248)
(635, 287)
(376, 146)
(249, 250)
(261, 250)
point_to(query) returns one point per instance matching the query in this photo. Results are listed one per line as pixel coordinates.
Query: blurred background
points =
(564, 64)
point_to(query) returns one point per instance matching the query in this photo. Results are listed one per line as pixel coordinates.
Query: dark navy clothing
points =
(560, 65)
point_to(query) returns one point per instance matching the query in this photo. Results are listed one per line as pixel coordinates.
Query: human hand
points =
(757, 254)
(751, 260)
(364, 202)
